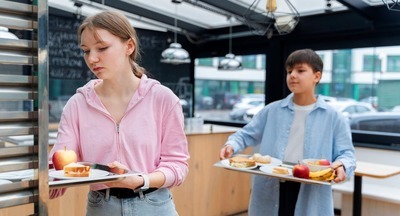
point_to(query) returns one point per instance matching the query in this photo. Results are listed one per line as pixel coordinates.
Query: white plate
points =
(18, 175)
(226, 163)
(2, 181)
(94, 173)
(268, 169)
(274, 161)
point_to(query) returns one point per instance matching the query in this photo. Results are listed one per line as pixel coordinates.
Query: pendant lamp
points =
(230, 62)
(175, 54)
(280, 17)
(393, 5)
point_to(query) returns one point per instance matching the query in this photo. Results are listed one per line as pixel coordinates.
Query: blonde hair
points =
(118, 25)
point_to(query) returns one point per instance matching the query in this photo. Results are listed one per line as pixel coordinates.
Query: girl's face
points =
(302, 79)
(105, 54)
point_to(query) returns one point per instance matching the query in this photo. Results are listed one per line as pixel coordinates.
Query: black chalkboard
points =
(65, 56)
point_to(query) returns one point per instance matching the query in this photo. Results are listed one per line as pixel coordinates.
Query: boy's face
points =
(302, 79)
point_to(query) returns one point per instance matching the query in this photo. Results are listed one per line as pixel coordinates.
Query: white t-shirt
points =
(295, 146)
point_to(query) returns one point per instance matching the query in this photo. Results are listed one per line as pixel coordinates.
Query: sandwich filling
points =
(241, 162)
(76, 170)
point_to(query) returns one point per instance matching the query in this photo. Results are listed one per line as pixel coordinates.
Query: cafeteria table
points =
(373, 170)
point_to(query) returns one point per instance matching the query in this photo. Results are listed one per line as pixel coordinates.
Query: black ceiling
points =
(359, 17)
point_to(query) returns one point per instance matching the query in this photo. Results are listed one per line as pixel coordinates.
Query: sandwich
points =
(263, 159)
(76, 170)
(280, 170)
(241, 162)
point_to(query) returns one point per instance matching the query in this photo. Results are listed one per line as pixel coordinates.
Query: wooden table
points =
(373, 170)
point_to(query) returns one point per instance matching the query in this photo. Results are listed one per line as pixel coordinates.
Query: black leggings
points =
(288, 193)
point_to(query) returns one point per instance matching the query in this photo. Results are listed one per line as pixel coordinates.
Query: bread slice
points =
(76, 170)
(241, 162)
(280, 170)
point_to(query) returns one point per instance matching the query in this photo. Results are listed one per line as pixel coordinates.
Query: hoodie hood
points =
(92, 98)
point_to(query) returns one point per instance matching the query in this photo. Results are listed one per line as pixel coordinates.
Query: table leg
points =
(357, 196)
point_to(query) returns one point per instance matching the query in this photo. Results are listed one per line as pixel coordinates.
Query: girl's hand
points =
(132, 182)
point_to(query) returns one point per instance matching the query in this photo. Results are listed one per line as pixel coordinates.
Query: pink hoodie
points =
(150, 136)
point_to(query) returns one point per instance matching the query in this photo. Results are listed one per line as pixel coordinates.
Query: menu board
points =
(65, 56)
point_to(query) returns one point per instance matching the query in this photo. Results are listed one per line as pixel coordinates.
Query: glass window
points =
(206, 61)
(227, 95)
(249, 61)
(263, 61)
(393, 64)
(359, 88)
(387, 125)
(371, 63)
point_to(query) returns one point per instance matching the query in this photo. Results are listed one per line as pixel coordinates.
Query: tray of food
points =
(65, 171)
(83, 173)
(273, 167)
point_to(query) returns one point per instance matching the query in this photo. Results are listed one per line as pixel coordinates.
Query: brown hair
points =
(305, 56)
(118, 25)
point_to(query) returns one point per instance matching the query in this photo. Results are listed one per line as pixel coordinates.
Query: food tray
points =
(71, 182)
(256, 170)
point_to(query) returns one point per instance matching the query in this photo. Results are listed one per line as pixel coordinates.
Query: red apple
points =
(63, 157)
(323, 162)
(301, 171)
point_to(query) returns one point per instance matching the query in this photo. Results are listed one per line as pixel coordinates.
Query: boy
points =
(299, 126)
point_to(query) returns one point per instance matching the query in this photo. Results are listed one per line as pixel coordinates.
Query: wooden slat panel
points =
(17, 151)
(17, 23)
(17, 44)
(14, 116)
(15, 7)
(17, 79)
(17, 59)
(16, 198)
(15, 129)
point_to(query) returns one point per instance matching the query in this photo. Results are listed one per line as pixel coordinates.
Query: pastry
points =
(241, 162)
(280, 170)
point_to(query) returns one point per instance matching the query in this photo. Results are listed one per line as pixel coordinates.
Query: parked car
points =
(396, 108)
(204, 103)
(250, 113)
(349, 108)
(379, 121)
(224, 100)
(373, 100)
(239, 109)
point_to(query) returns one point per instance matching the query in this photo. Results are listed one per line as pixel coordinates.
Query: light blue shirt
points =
(327, 135)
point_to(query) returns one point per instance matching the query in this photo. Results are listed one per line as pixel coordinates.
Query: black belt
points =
(123, 193)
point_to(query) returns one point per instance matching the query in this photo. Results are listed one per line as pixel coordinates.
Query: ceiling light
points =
(5, 34)
(281, 18)
(230, 62)
(175, 54)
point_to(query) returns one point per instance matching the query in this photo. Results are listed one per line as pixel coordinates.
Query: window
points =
(206, 61)
(393, 64)
(360, 89)
(249, 61)
(371, 63)
(217, 92)
(352, 79)
(385, 125)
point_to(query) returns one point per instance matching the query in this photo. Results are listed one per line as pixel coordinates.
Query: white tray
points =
(265, 172)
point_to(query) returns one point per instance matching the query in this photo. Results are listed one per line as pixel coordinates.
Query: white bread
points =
(76, 170)
(241, 162)
(266, 159)
(280, 170)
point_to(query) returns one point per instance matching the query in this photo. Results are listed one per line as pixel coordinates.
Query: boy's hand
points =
(226, 152)
(340, 172)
